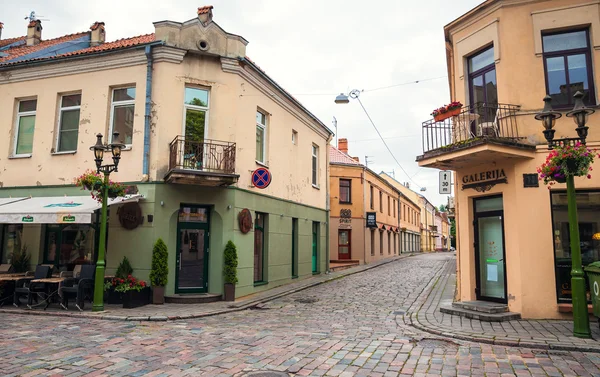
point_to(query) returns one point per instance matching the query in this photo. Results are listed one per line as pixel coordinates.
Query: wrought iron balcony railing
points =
(207, 155)
(478, 121)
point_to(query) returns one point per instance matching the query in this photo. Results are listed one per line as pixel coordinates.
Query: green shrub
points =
(20, 260)
(160, 267)
(124, 269)
(230, 263)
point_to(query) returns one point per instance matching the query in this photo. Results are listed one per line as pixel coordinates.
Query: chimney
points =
(343, 145)
(34, 32)
(356, 159)
(98, 36)
(205, 14)
(1, 27)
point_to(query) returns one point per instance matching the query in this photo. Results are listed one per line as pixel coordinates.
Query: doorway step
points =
(196, 298)
(342, 264)
(481, 310)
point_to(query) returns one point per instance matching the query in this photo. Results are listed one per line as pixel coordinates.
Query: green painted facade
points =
(163, 202)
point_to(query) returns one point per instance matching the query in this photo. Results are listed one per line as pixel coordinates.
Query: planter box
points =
(158, 295)
(113, 298)
(134, 299)
(229, 292)
(446, 115)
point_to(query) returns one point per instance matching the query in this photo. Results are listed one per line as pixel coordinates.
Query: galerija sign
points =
(485, 180)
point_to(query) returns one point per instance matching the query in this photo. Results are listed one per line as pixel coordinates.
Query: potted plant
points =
(230, 263)
(565, 161)
(20, 260)
(123, 270)
(134, 292)
(440, 114)
(94, 183)
(454, 108)
(159, 272)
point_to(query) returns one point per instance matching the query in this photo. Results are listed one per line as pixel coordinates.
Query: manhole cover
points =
(437, 343)
(307, 300)
(266, 373)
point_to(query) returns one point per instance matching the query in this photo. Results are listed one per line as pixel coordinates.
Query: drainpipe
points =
(147, 115)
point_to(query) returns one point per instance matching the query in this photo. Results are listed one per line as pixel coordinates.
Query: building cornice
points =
(234, 66)
(79, 65)
(168, 54)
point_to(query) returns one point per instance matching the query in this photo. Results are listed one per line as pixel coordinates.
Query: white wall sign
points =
(445, 177)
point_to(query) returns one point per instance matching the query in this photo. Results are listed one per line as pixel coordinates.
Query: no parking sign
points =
(261, 178)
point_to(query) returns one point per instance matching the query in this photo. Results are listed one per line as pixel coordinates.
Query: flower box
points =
(112, 297)
(134, 299)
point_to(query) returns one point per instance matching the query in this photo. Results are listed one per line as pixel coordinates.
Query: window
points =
(389, 206)
(68, 123)
(394, 208)
(315, 245)
(196, 114)
(261, 127)
(372, 242)
(67, 246)
(404, 209)
(294, 247)
(315, 165)
(381, 242)
(482, 84)
(122, 112)
(371, 200)
(389, 243)
(294, 137)
(395, 244)
(380, 201)
(568, 67)
(344, 244)
(11, 240)
(24, 128)
(345, 191)
(259, 247)
(589, 228)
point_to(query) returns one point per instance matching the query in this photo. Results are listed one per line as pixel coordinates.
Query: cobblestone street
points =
(353, 326)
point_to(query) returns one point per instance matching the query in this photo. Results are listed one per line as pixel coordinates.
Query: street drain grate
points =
(437, 343)
(266, 373)
(307, 300)
(399, 312)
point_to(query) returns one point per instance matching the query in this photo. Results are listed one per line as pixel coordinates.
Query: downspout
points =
(147, 115)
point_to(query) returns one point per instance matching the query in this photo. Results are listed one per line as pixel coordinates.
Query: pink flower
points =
(589, 176)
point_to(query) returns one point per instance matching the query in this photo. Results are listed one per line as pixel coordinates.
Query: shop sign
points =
(68, 219)
(245, 220)
(484, 181)
(27, 219)
(345, 218)
(371, 219)
(130, 215)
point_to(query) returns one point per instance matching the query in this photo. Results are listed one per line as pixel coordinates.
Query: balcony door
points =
(483, 89)
(194, 127)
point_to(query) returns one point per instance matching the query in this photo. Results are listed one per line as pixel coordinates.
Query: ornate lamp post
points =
(580, 114)
(99, 148)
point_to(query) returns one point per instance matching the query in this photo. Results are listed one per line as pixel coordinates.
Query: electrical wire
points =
(384, 143)
(393, 137)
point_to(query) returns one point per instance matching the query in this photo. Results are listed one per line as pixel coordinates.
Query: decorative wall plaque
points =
(245, 220)
(130, 215)
(531, 180)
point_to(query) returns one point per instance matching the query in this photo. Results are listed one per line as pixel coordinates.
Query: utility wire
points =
(384, 143)
(393, 137)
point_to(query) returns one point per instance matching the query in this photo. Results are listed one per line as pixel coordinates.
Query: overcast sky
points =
(315, 50)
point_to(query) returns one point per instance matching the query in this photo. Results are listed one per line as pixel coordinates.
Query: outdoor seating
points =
(24, 286)
(81, 287)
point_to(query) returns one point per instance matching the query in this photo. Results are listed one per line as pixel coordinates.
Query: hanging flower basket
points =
(94, 183)
(565, 161)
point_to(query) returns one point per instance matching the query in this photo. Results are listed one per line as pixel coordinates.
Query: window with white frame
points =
(68, 123)
(25, 125)
(315, 165)
(122, 111)
(261, 128)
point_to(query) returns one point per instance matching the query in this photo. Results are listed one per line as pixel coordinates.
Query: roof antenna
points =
(32, 17)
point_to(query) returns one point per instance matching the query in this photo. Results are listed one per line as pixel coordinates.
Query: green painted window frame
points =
(262, 229)
(294, 248)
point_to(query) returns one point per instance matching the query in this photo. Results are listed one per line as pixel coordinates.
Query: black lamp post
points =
(580, 114)
(99, 148)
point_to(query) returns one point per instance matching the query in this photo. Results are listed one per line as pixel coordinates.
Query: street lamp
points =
(99, 148)
(580, 114)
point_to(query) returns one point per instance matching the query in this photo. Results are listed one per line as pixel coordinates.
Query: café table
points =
(461, 128)
(53, 282)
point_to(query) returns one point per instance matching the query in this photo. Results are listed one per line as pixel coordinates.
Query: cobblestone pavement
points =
(348, 327)
(544, 334)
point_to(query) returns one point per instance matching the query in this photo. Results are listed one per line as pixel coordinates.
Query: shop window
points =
(259, 247)
(12, 235)
(315, 248)
(68, 123)
(588, 203)
(122, 112)
(568, 67)
(372, 242)
(294, 248)
(345, 191)
(68, 246)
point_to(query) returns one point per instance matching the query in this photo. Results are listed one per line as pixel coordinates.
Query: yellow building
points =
(503, 57)
(364, 221)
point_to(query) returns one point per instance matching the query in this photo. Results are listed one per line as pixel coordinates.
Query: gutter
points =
(148, 107)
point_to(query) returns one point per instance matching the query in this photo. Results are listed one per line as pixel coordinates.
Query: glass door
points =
(490, 254)
(315, 265)
(344, 244)
(192, 250)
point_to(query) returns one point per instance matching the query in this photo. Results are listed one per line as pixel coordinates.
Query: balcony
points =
(479, 134)
(204, 163)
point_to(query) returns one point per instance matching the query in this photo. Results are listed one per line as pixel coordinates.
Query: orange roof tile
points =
(205, 9)
(18, 51)
(6, 42)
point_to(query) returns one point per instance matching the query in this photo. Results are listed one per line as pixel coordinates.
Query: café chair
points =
(25, 286)
(81, 287)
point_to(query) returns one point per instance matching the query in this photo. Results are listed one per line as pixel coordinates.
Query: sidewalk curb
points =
(233, 308)
(412, 319)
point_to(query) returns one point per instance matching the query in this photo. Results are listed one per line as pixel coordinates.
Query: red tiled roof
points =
(205, 9)
(96, 25)
(339, 157)
(25, 50)
(6, 42)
